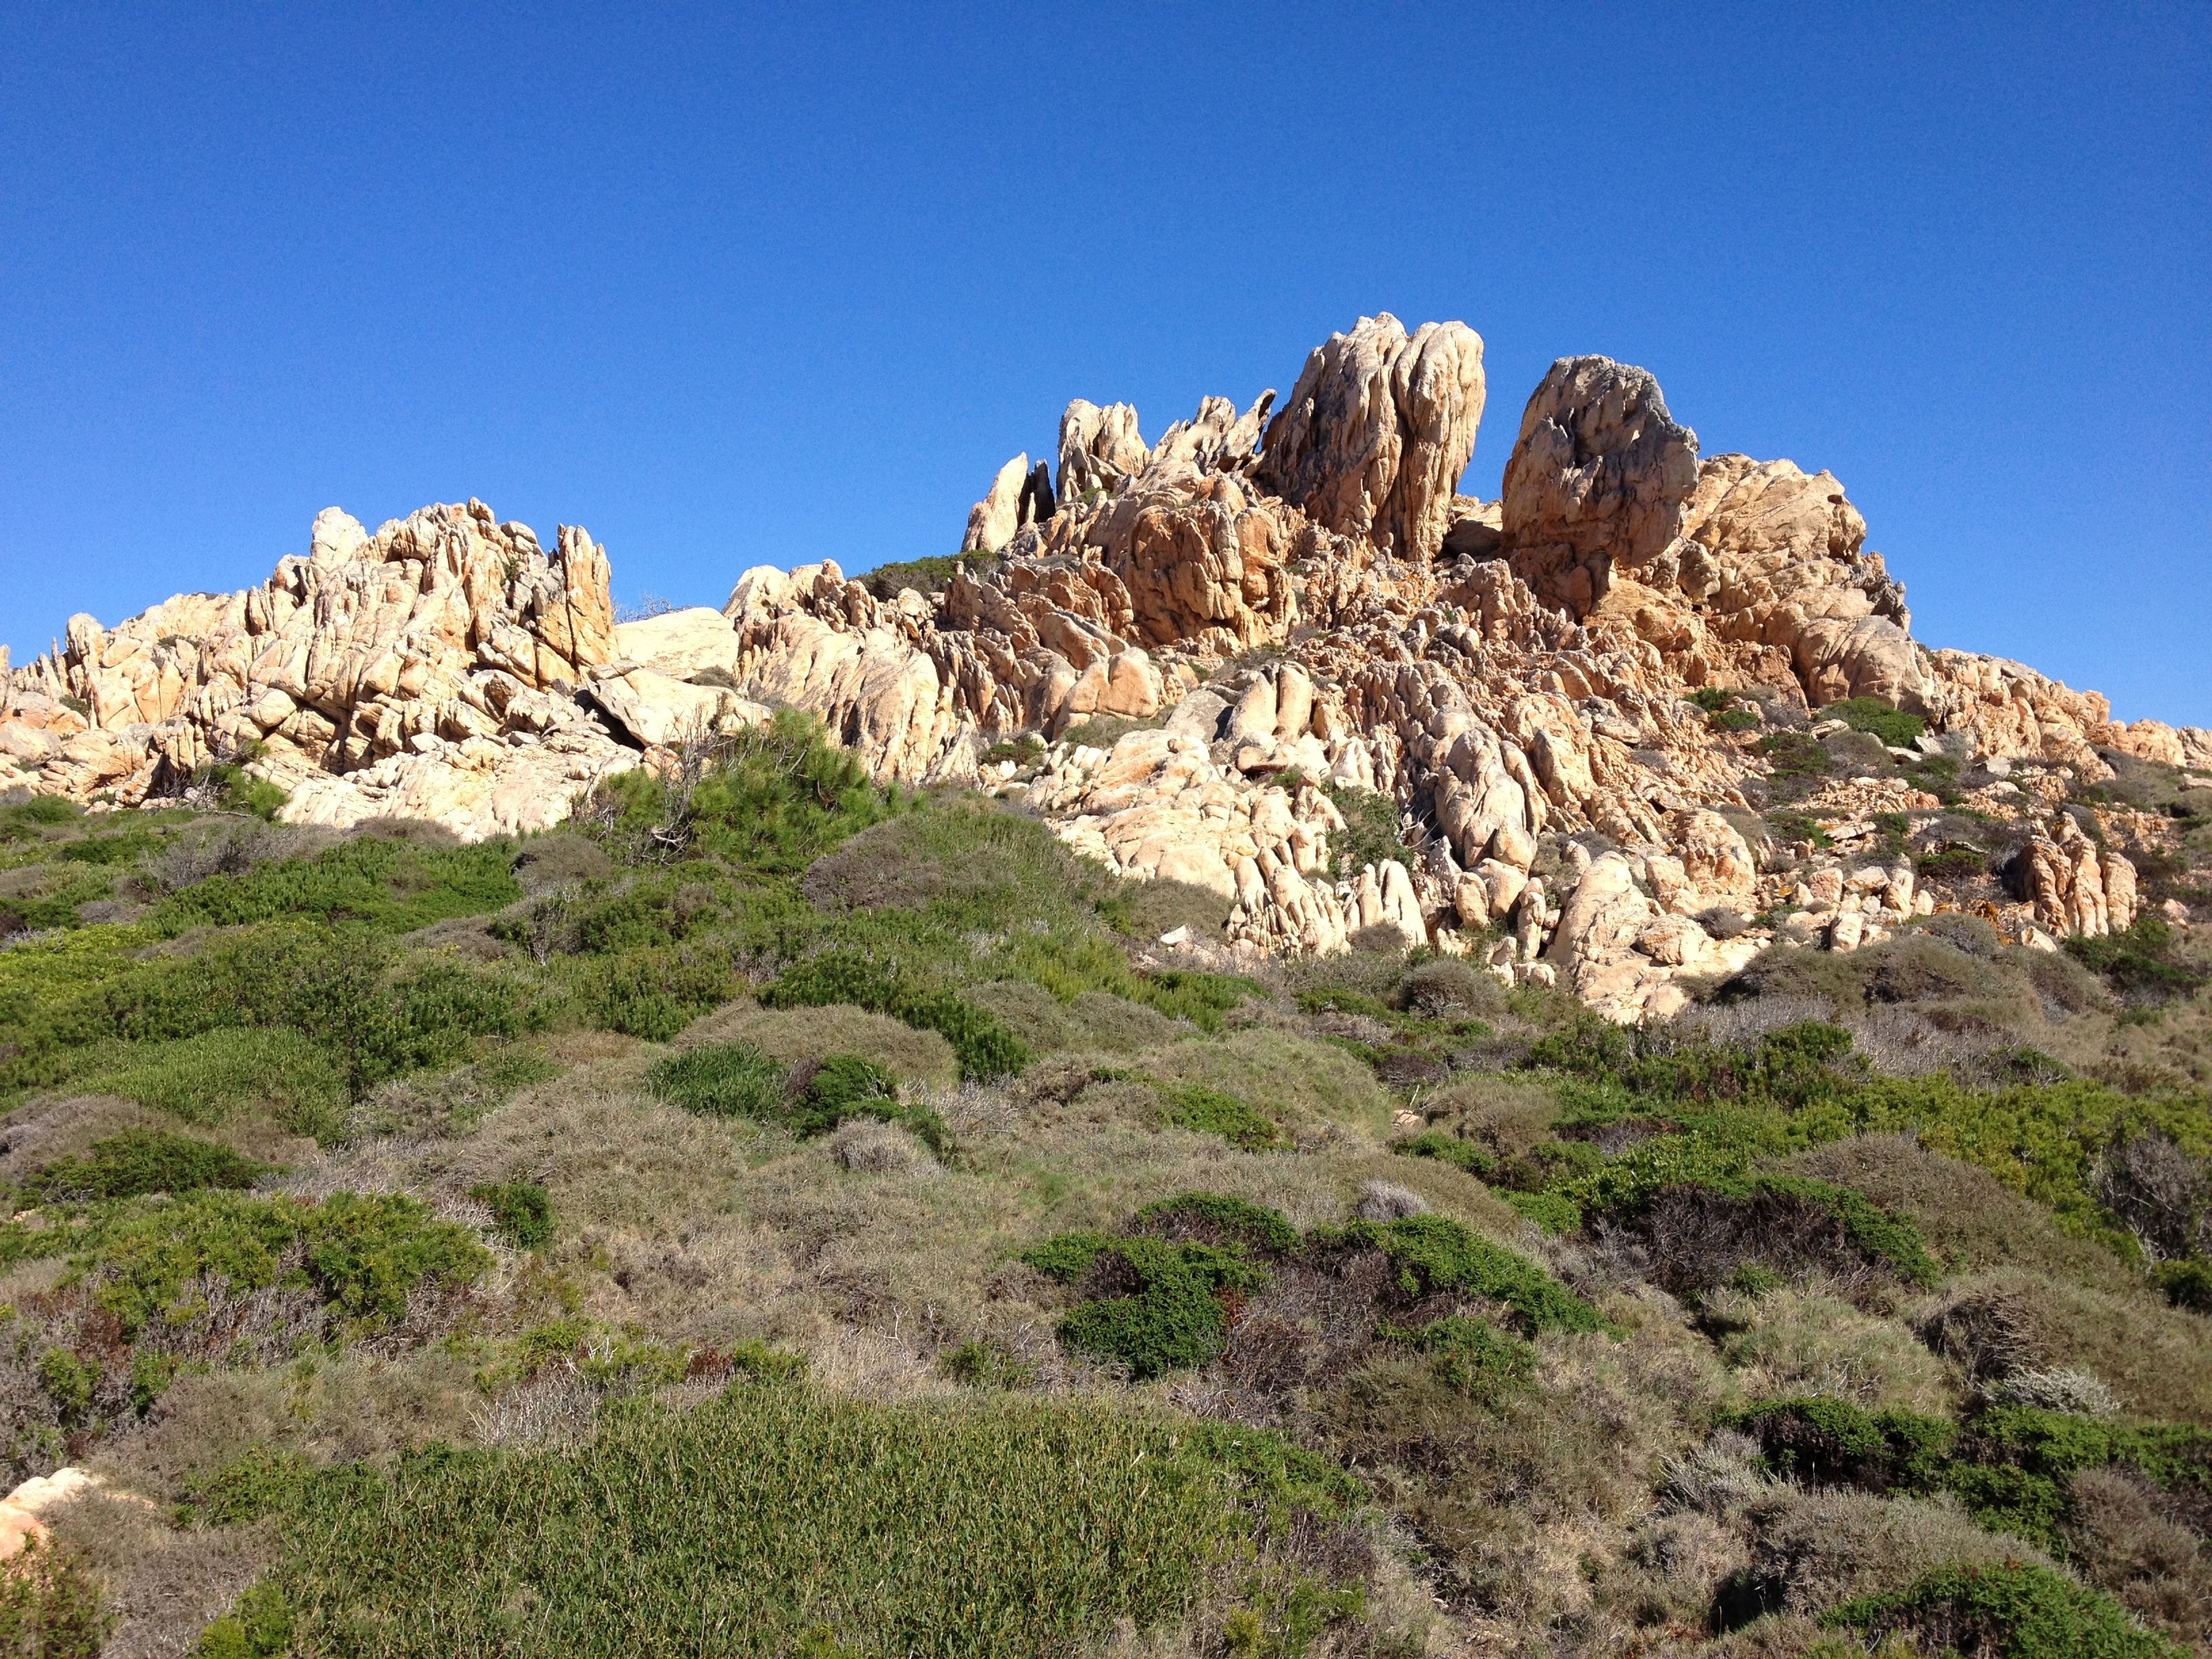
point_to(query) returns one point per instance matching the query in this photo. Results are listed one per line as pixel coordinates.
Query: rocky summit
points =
(1648, 712)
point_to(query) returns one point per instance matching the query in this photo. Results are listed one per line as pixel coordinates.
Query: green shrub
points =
(772, 800)
(2016, 1462)
(521, 1211)
(1253, 1226)
(1067, 1256)
(1211, 1112)
(1827, 1441)
(1432, 1253)
(142, 1161)
(984, 1363)
(1174, 1320)
(999, 1524)
(1896, 729)
(735, 1079)
(655, 991)
(259, 1481)
(214, 1077)
(394, 886)
(1734, 720)
(1793, 755)
(1188, 993)
(847, 1086)
(2139, 961)
(259, 1627)
(50, 1604)
(69, 1382)
(2187, 1284)
(927, 575)
(363, 1253)
(1470, 1155)
(984, 1047)
(1372, 832)
(2015, 1610)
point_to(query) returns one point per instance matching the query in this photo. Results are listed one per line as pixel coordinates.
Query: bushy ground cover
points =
(1356, 1306)
(776, 1519)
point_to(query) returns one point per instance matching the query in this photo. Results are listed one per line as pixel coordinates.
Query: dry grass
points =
(1790, 1341)
(797, 1034)
(1969, 1219)
(1096, 1021)
(2157, 1359)
(1813, 1551)
(164, 1585)
(1318, 1092)
(2123, 1536)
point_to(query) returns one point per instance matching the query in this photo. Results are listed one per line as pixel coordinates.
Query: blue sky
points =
(732, 286)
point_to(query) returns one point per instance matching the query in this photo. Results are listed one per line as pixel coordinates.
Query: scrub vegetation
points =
(772, 1214)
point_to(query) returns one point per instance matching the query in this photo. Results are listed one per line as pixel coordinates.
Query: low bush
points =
(1896, 728)
(1210, 1111)
(1823, 1442)
(1471, 1355)
(2008, 1611)
(655, 991)
(50, 1604)
(808, 1524)
(1371, 833)
(2139, 962)
(363, 1253)
(392, 885)
(1213, 1217)
(735, 1079)
(1468, 1155)
(221, 1076)
(984, 1047)
(771, 799)
(142, 1161)
(1431, 1254)
(259, 1627)
(521, 1211)
(722, 1079)
(1171, 1317)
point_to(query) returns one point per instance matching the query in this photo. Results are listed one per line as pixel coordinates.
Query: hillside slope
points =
(1466, 1100)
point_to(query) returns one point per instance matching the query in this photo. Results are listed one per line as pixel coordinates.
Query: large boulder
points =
(1377, 431)
(1598, 479)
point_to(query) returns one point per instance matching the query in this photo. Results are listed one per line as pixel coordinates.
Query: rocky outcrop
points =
(1291, 613)
(2077, 888)
(1377, 430)
(415, 665)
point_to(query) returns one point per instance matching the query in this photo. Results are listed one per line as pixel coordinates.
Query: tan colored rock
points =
(1373, 438)
(679, 642)
(1098, 449)
(657, 710)
(1599, 479)
(993, 521)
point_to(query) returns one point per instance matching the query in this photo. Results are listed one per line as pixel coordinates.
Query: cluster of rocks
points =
(1260, 607)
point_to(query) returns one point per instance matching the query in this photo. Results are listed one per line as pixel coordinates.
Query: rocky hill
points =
(1586, 700)
(1269, 1062)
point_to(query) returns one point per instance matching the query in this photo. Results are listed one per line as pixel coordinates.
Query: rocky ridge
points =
(1217, 640)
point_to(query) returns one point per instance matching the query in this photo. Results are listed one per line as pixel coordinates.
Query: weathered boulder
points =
(1598, 479)
(993, 521)
(679, 642)
(1376, 434)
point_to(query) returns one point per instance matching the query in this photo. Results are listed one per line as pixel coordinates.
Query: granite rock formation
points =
(1217, 636)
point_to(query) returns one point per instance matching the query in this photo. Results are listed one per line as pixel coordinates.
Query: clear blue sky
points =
(734, 286)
